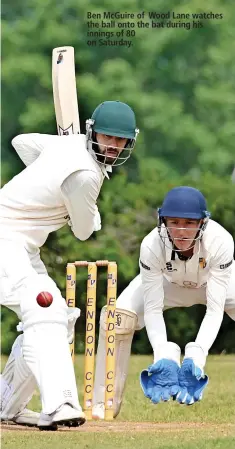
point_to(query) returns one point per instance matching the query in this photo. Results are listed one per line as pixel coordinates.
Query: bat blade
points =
(65, 91)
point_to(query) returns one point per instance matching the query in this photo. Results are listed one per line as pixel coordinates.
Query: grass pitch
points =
(209, 424)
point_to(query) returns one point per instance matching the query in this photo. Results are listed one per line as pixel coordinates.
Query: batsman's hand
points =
(192, 383)
(160, 381)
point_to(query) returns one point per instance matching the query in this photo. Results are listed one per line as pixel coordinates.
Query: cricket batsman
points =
(60, 185)
(187, 259)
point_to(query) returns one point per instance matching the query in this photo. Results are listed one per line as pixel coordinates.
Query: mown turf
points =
(209, 424)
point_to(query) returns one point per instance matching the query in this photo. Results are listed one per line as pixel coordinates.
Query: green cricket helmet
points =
(112, 118)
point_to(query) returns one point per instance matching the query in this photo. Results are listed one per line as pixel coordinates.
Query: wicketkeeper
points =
(187, 259)
(59, 186)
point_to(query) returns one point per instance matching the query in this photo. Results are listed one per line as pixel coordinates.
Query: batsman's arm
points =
(80, 192)
(30, 146)
(152, 281)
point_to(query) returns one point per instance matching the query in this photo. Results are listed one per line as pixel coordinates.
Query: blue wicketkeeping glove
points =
(192, 383)
(160, 381)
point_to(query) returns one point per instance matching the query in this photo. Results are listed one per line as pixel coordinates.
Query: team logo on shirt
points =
(202, 262)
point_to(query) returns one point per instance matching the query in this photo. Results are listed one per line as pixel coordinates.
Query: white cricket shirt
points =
(209, 267)
(61, 184)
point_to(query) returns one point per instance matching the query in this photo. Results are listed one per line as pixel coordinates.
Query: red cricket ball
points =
(44, 299)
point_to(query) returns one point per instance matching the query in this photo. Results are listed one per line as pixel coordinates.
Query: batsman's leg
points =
(17, 388)
(46, 352)
(18, 383)
(45, 348)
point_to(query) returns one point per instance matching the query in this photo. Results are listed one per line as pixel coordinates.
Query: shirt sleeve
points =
(80, 191)
(217, 284)
(29, 146)
(152, 280)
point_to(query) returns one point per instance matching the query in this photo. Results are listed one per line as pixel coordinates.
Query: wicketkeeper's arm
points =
(152, 280)
(216, 292)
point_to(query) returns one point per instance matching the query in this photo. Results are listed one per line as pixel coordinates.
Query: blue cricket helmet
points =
(184, 202)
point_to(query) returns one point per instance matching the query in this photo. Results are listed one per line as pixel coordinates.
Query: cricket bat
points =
(65, 91)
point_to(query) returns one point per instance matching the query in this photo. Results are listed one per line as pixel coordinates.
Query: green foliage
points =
(181, 86)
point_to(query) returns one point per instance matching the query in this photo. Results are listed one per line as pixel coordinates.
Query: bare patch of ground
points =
(126, 426)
